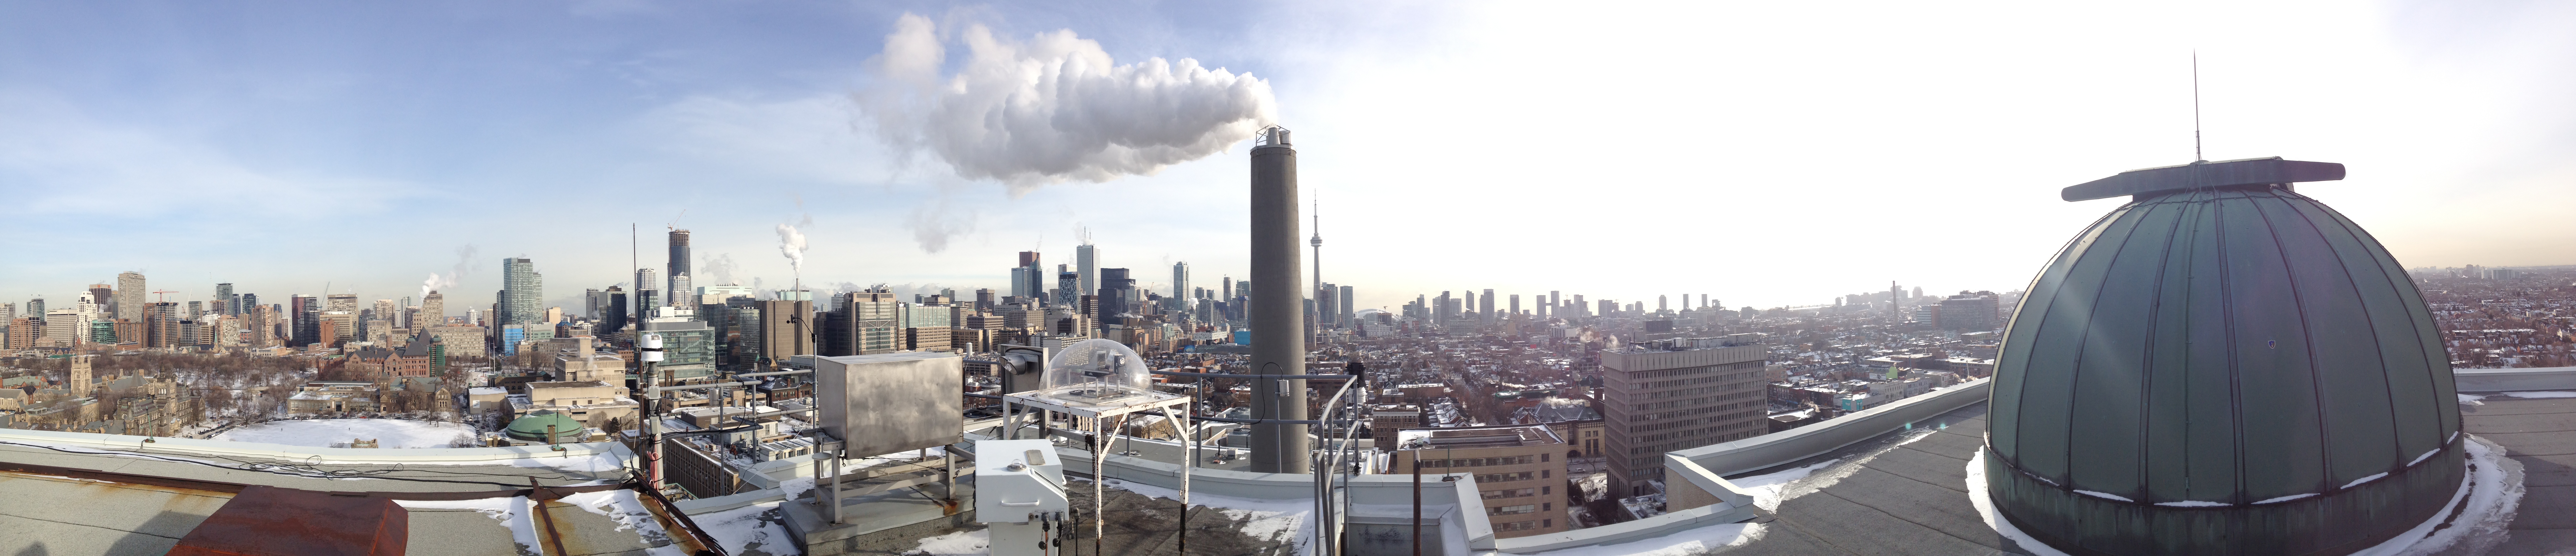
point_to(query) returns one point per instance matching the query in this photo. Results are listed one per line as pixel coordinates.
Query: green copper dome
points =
(532, 427)
(2222, 369)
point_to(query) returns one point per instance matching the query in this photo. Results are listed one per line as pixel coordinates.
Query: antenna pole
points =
(2195, 107)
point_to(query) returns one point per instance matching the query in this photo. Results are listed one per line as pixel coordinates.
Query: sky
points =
(1760, 154)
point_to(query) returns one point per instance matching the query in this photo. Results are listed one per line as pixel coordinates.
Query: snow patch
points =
(979, 541)
(336, 433)
(2537, 395)
(1767, 489)
(2486, 502)
(2358, 482)
(747, 527)
(2284, 498)
(2428, 454)
(622, 507)
(1266, 520)
(2472, 399)
(2193, 504)
(1985, 504)
(2104, 495)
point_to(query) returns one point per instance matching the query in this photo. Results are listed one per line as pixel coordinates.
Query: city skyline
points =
(652, 110)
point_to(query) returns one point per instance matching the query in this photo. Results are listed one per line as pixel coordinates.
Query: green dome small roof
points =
(533, 426)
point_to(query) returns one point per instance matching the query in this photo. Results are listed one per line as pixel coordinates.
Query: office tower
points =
(612, 316)
(1580, 310)
(101, 294)
(224, 300)
(590, 302)
(36, 308)
(1278, 344)
(1485, 306)
(648, 290)
(433, 311)
(1516, 304)
(1895, 298)
(868, 322)
(384, 309)
(129, 295)
(1028, 280)
(1680, 372)
(1350, 305)
(1327, 305)
(682, 293)
(306, 311)
(984, 300)
(1225, 288)
(1181, 280)
(1117, 293)
(679, 258)
(405, 309)
(787, 330)
(1068, 286)
(1659, 303)
(1086, 263)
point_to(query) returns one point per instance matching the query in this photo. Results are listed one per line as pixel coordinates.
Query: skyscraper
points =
(1485, 306)
(590, 302)
(1068, 286)
(1086, 263)
(1349, 307)
(129, 295)
(224, 300)
(524, 290)
(306, 311)
(1181, 281)
(1116, 291)
(679, 256)
(648, 290)
(1516, 304)
(1028, 281)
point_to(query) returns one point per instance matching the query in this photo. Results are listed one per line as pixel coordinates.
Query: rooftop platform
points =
(1903, 492)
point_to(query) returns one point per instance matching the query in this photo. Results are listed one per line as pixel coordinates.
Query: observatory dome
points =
(2221, 367)
(1095, 372)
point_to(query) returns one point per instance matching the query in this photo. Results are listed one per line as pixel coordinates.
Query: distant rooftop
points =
(1499, 436)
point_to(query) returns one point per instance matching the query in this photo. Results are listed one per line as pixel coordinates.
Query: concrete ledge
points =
(696, 506)
(1811, 440)
(2514, 380)
(505, 455)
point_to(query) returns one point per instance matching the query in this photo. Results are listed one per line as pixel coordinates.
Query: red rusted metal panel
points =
(270, 521)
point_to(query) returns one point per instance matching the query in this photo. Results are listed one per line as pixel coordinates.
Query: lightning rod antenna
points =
(2195, 106)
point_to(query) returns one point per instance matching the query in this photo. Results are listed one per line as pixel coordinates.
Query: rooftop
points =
(1499, 436)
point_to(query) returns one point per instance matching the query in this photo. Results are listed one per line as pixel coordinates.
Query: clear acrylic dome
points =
(1095, 372)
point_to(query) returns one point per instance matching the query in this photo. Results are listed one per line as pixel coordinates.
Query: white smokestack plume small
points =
(464, 263)
(791, 243)
(1054, 107)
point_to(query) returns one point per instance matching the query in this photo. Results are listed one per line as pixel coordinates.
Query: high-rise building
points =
(523, 292)
(647, 293)
(682, 294)
(225, 301)
(306, 311)
(1028, 281)
(786, 330)
(129, 295)
(1516, 304)
(590, 302)
(612, 316)
(1181, 280)
(1349, 306)
(1086, 264)
(1068, 286)
(868, 322)
(1678, 393)
(1328, 305)
(679, 257)
(1485, 306)
(688, 346)
(433, 311)
(1117, 293)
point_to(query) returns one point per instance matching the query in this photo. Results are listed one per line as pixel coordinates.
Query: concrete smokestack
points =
(1278, 333)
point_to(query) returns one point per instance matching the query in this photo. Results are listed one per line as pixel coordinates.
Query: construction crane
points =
(164, 298)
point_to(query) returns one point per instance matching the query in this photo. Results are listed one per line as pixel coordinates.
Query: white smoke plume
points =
(935, 223)
(791, 240)
(464, 263)
(719, 268)
(1053, 108)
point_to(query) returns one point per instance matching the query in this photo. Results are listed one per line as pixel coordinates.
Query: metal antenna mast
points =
(2195, 107)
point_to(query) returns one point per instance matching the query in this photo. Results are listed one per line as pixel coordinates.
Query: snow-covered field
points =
(336, 433)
